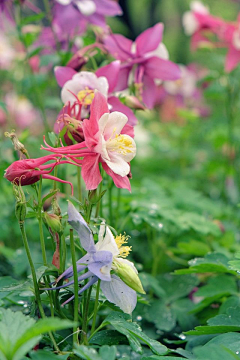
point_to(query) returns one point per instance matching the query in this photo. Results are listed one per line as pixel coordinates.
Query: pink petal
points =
(108, 8)
(111, 72)
(128, 130)
(98, 107)
(149, 39)
(123, 76)
(117, 105)
(90, 171)
(149, 93)
(158, 68)
(119, 46)
(119, 181)
(232, 59)
(63, 74)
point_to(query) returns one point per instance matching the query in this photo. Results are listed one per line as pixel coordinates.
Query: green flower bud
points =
(129, 276)
(20, 207)
(53, 221)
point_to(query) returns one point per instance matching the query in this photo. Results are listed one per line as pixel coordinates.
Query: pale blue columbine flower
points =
(100, 261)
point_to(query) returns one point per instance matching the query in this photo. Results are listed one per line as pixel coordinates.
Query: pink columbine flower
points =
(108, 140)
(78, 91)
(200, 24)
(145, 61)
(29, 171)
(231, 36)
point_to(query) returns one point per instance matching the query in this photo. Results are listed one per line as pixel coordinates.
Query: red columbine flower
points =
(29, 171)
(108, 140)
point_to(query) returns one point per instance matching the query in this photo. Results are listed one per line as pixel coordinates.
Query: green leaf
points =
(86, 353)
(133, 332)
(214, 262)
(217, 285)
(161, 315)
(108, 337)
(32, 18)
(20, 333)
(108, 352)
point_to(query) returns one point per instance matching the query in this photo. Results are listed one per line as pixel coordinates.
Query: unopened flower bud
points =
(129, 276)
(53, 221)
(133, 102)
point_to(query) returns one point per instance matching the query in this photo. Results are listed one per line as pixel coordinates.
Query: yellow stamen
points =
(123, 250)
(86, 96)
(122, 144)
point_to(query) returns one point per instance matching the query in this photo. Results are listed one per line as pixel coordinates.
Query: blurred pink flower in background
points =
(20, 113)
(231, 35)
(73, 16)
(143, 62)
(182, 94)
(7, 52)
(201, 25)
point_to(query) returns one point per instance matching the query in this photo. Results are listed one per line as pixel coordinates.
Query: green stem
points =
(85, 317)
(44, 255)
(110, 202)
(99, 202)
(75, 277)
(95, 307)
(79, 184)
(34, 277)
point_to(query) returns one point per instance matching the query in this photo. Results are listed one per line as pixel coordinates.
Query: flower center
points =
(86, 96)
(123, 250)
(122, 144)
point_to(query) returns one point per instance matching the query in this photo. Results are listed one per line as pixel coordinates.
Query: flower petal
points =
(113, 124)
(101, 265)
(119, 181)
(63, 74)
(106, 242)
(118, 293)
(119, 46)
(117, 105)
(111, 73)
(157, 68)
(149, 39)
(118, 164)
(79, 224)
(90, 171)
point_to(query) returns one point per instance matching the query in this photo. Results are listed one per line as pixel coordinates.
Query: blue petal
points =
(81, 265)
(79, 224)
(118, 293)
(85, 287)
(101, 265)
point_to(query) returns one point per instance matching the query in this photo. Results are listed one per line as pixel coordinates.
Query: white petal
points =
(198, 6)
(161, 51)
(118, 293)
(114, 124)
(117, 164)
(86, 7)
(64, 2)
(107, 242)
(189, 22)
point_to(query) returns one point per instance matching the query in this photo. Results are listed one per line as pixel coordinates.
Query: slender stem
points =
(34, 277)
(75, 276)
(88, 215)
(50, 19)
(99, 202)
(95, 307)
(85, 317)
(44, 255)
(79, 184)
(110, 202)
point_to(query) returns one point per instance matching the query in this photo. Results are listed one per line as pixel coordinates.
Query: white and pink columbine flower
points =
(108, 140)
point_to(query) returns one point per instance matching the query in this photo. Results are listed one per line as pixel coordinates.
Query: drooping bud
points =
(94, 197)
(18, 146)
(53, 221)
(129, 275)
